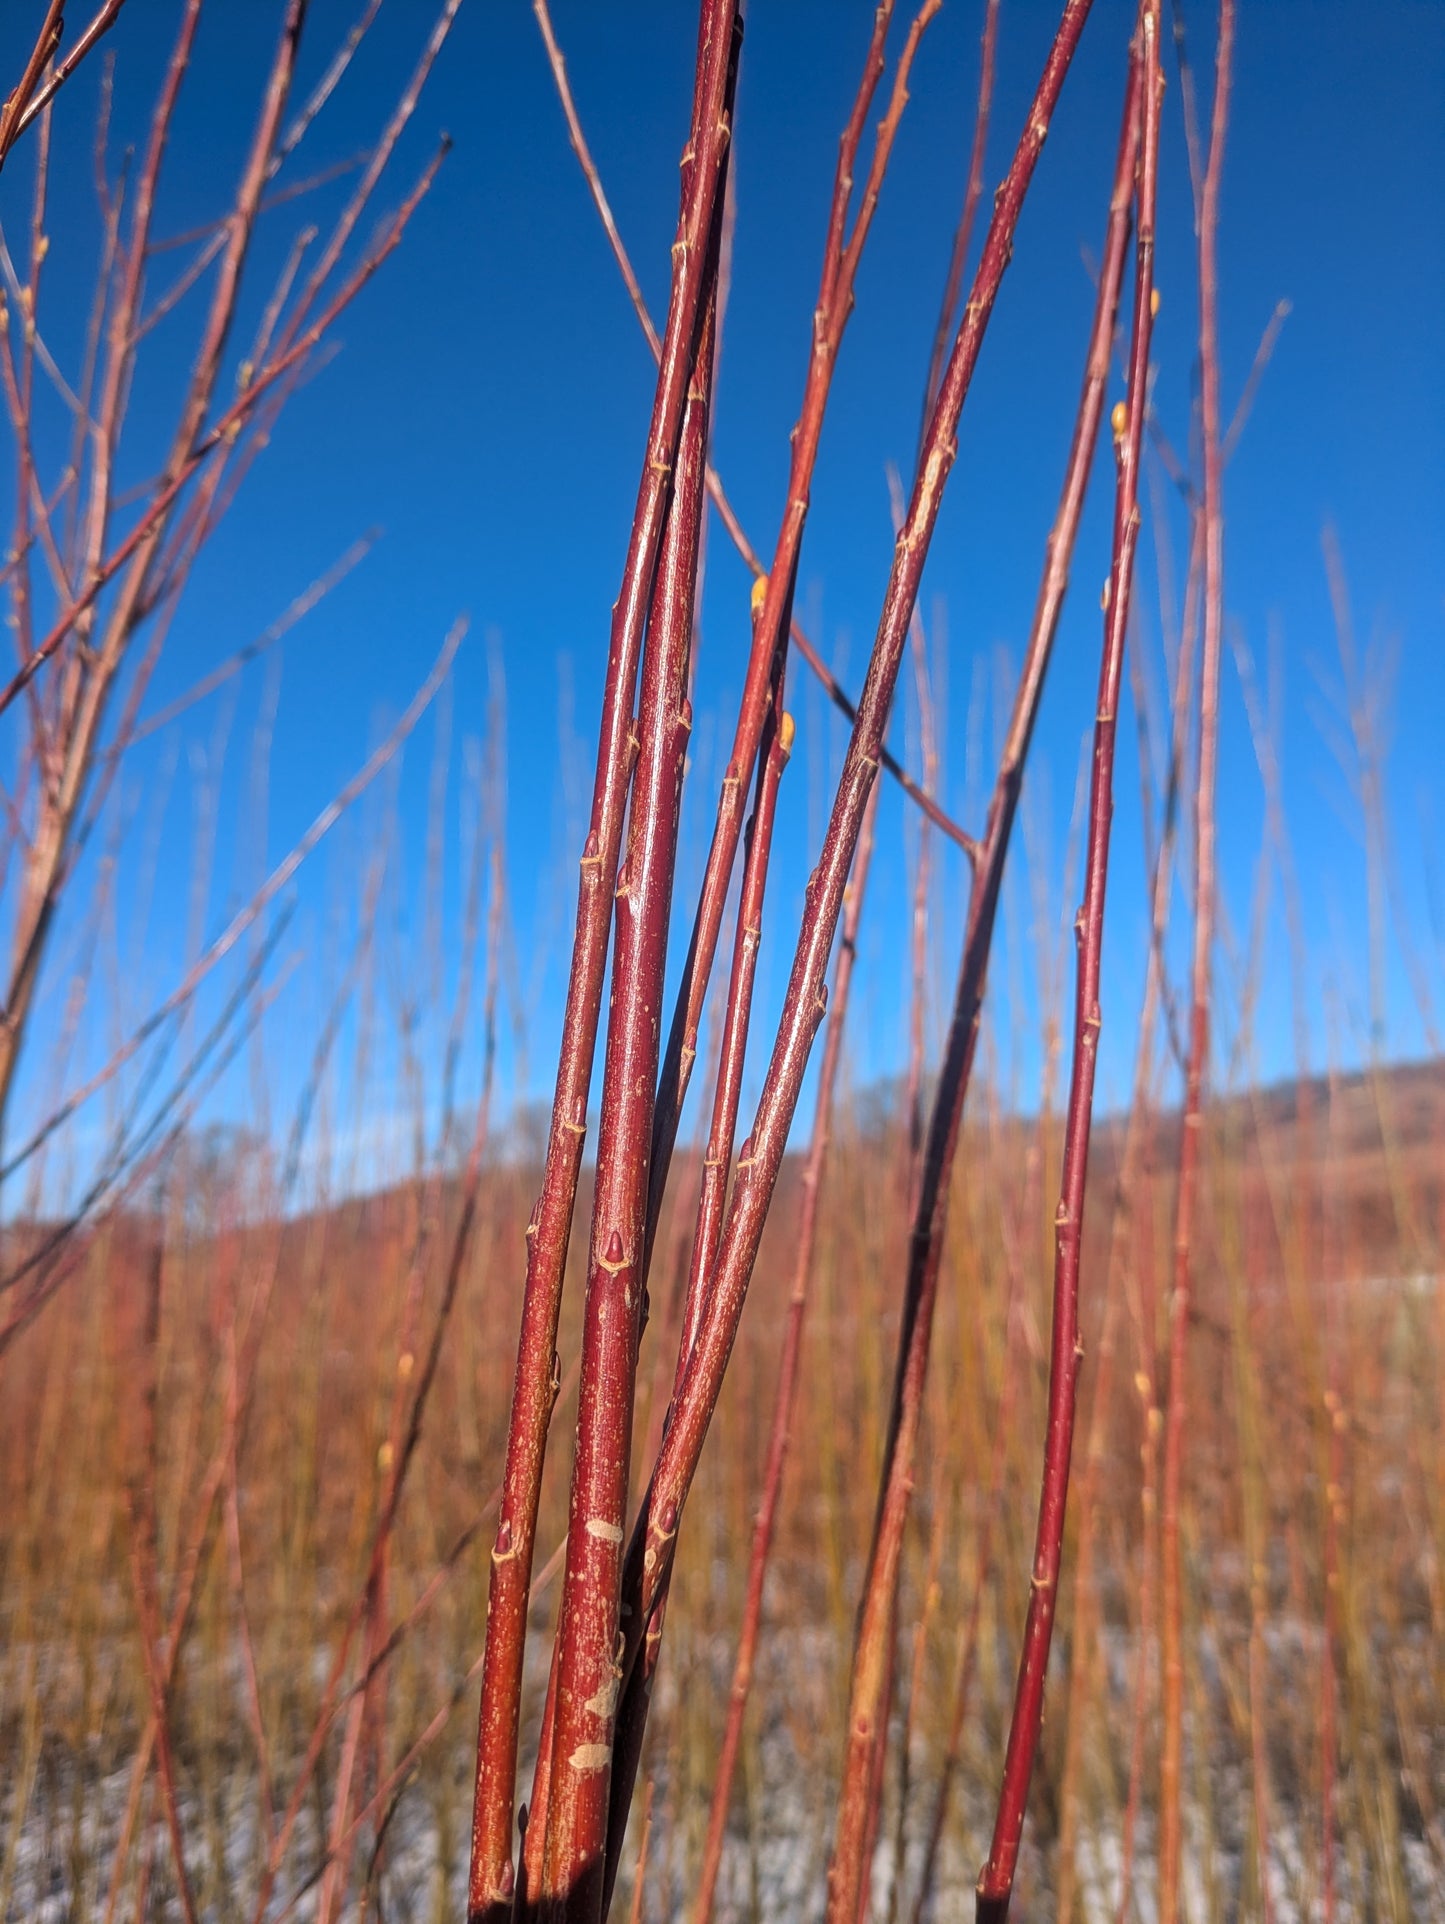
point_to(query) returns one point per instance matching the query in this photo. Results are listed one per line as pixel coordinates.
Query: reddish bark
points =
(492, 1880)
(654, 1540)
(995, 1884)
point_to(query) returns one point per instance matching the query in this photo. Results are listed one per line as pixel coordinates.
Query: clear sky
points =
(487, 410)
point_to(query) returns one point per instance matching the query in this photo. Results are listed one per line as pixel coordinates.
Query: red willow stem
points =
(580, 1752)
(727, 1097)
(1125, 1266)
(995, 1884)
(1172, 1653)
(491, 1880)
(948, 306)
(868, 1712)
(928, 746)
(1160, 860)
(47, 42)
(34, 95)
(913, 1126)
(835, 303)
(776, 746)
(786, 1394)
(958, 259)
(654, 1540)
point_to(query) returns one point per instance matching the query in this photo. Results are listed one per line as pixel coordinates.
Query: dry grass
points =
(1309, 1276)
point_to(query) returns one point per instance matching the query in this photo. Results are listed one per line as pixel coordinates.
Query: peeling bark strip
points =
(995, 1884)
(492, 1881)
(651, 1551)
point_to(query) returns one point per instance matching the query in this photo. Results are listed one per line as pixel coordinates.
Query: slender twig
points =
(1268, 341)
(47, 44)
(917, 1016)
(963, 233)
(34, 94)
(722, 1133)
(1126, 1267)
(223, 672)
(995, 1885)
(1172, 1626)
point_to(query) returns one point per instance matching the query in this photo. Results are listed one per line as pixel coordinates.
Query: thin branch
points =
(995, 1884)
(23, 105)
(1171, 1816)
(833, 688)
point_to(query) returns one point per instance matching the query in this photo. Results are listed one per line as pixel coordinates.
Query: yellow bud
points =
(760, 589)
(405, 1364)
(1119, 419)
(383, 1458)
(1153, 300)
(786, 733)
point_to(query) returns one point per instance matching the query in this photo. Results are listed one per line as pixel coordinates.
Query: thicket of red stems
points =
(610, 1617)
(611, 1622)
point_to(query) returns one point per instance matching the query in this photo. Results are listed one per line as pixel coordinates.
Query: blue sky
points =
(487, 411)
